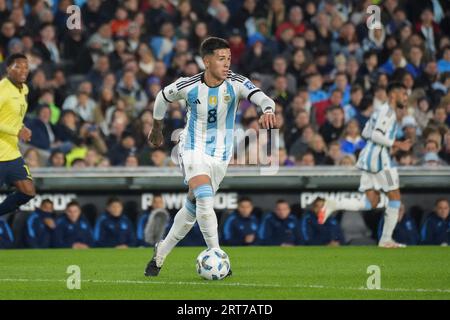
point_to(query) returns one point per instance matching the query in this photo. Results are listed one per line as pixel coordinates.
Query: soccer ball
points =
(213, 264)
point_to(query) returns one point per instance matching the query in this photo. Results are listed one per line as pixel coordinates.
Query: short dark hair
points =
(46, 201)
(211, 44)
(282, 201)
(12, 58)
(244, 199)
(317, 200)
(395, 86)
(440, 200)
(73, 203)
(113, 200)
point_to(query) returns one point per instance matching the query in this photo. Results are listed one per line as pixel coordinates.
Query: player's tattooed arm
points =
(156, 137)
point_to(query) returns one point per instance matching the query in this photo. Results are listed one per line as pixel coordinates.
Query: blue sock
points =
(13, 202)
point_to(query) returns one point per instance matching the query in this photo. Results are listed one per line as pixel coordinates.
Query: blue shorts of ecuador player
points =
(14, 170)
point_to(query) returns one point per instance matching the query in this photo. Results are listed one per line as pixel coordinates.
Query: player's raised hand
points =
(25, 134)
(268, 121)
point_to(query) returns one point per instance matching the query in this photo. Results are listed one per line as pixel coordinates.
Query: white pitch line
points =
(235, 284)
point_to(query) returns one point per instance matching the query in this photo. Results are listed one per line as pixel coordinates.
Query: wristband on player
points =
(268, 110)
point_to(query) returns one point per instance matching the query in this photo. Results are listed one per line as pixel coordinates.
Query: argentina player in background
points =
(378, 173)
(206, 143)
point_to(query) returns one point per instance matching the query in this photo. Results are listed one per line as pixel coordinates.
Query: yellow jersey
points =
(13, 106)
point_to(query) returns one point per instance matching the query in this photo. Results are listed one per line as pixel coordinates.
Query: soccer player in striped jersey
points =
(13, 106)
(378, 172)
(206, 143)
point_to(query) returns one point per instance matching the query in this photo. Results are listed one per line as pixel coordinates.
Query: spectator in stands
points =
(436, 227)
(57, 159)
(335, 124)
(319, 149)
(240, 227)
(279, 227)
(404, 158)
(159, 158)
(82, 104)
(129, 88)
(32, 158)
(444, 63)
(6, 235)
(312, 233)
(99, 72)
(113, 228)
(397, 60)
(118, 154)
(406, 230)
(320, 109)
(352, 142)
(356, 96)
(422, 112)
(72, 229)
(43, 131)
(415, 65)
(40, 226)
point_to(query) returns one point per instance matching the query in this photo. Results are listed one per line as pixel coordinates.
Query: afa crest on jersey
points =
(227, 98)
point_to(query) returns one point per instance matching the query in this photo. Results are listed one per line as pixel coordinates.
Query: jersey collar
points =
(202, 79)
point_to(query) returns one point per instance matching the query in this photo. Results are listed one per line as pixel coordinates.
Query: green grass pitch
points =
(258, 273)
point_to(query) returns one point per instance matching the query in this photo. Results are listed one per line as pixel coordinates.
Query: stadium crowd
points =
(248, 225)
(92, 90)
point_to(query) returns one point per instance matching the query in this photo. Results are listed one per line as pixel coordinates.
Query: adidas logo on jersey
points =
(195, 101)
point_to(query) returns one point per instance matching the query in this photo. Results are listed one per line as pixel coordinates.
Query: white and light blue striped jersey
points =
(211, 112)
(375, 156)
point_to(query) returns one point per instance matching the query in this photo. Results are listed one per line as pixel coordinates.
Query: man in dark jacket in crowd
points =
(436, 228)
(241, 226)
(43, 131)
(40, 226)
(113, 228)
(72, 229)
(279, 227)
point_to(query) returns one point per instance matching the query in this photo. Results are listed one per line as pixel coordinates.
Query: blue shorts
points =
(14, 170)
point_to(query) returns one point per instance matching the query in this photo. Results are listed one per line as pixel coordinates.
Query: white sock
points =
(390, 220)
(206, 217)
(182, 224)
(353, 204)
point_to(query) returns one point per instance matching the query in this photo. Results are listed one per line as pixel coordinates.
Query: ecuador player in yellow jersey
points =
(13, 106)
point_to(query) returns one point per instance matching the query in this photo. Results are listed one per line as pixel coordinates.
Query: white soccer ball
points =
(213, 264)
